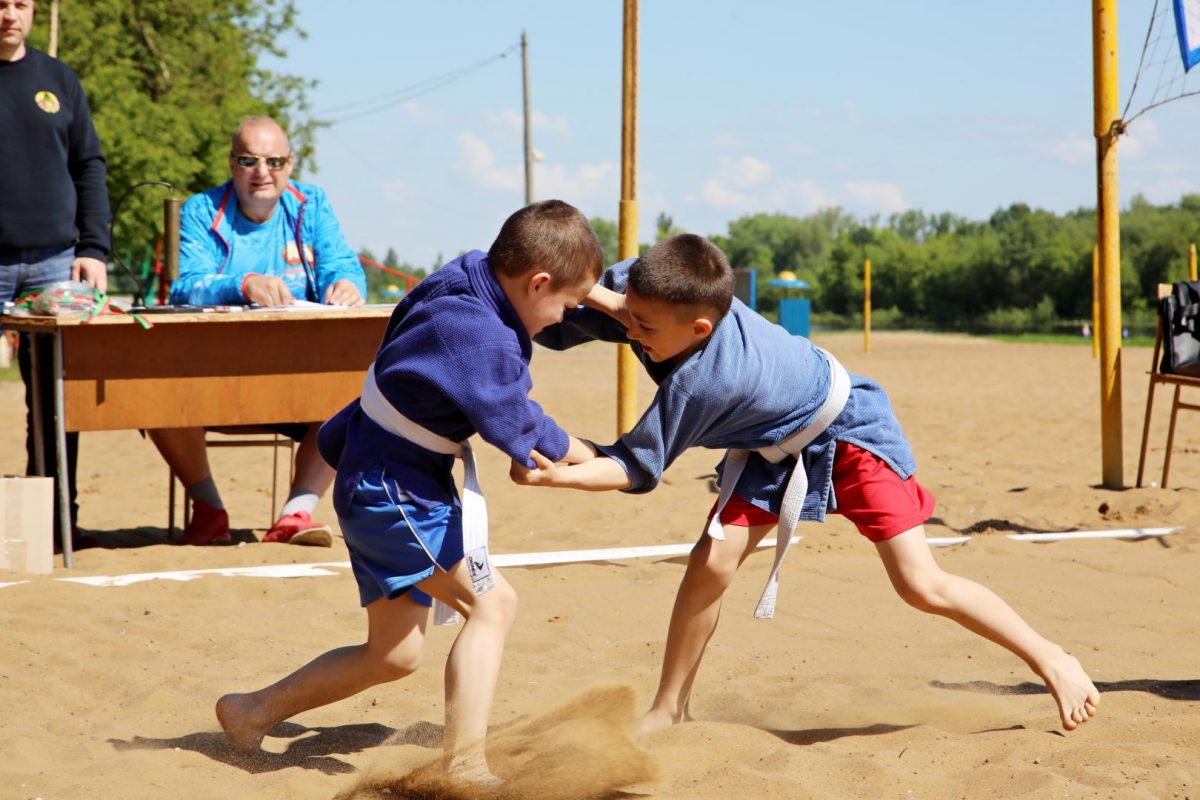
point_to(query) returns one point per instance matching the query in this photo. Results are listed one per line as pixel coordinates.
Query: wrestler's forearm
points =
(606, 300)
(579, 451)
(601, 474)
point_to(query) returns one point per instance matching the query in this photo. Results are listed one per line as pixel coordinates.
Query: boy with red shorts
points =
(803, 437)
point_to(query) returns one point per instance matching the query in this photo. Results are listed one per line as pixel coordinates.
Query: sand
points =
(107, 692)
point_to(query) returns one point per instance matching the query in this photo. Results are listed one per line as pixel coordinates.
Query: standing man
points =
(259, 238)
(53, 202)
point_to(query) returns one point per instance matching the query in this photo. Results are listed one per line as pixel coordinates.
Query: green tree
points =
(607, 233)
(168, 81)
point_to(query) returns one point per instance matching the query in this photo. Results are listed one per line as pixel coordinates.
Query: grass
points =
(10, 373)
(1065, 338)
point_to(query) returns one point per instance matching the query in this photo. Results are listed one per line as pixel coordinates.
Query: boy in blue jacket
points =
(453, 362)
(803, 437)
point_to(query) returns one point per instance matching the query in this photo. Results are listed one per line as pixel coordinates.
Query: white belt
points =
(474, 509)
(797, 487)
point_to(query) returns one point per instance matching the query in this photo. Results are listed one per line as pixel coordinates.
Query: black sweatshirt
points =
(52, 172)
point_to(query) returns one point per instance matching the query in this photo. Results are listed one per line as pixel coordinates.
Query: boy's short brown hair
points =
(552, 236)
(687, 271)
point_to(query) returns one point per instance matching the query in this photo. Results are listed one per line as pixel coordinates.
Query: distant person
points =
(454, 362)
(804, 438)
(259, 238)
(54, 210)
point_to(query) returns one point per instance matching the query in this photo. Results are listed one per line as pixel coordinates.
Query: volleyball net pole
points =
(1107, 128)
(627, 246)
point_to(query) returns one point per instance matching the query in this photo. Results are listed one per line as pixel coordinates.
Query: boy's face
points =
(540, 304)
(660, 328)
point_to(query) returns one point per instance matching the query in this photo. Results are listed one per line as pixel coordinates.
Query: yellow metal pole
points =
(1095, 301)
(867, 306)
(1192, 262)
(1106, 128)
(627, 246)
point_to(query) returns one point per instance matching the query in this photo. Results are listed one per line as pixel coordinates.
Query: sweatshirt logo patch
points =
(47, 102)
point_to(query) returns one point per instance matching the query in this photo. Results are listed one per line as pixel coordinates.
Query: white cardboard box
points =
(27, 524)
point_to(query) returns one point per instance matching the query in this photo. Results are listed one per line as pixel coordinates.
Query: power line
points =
(382, 102)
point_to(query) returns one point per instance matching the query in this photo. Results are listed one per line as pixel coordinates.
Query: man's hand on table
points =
(91, 271)
(343, 293)
(266, 290)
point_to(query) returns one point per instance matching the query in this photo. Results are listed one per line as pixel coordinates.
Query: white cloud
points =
(1071, 150)
(718, 195)
(580, 186)
(479, 162)
(513, 121)
(879, 196)
(1140, 138)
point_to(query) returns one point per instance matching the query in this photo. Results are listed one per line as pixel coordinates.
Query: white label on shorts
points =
(480, 570)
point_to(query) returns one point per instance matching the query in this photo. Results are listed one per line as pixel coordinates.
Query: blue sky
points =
(743, 107)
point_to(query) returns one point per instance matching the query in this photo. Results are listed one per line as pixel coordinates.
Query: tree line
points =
(1021, 269)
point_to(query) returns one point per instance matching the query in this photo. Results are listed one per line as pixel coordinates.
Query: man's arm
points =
(199, 282)
(340, 278)
(597, 475)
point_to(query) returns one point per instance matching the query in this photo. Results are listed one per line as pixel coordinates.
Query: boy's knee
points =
(712, 564)
(923, 592)
(399, 662)
(499, 605)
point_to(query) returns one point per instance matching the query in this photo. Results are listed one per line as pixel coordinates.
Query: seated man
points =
(259, 238)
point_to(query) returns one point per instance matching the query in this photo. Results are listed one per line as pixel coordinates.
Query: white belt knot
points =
(797, 487)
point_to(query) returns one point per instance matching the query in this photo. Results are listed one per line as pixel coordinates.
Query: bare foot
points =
(470, 767)
(652, 721)
(1076, 695)
(235, 712)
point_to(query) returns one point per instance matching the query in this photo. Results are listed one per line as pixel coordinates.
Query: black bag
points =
(1178, 312)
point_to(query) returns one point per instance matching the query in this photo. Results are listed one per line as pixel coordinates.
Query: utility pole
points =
(52, 50)
(1107, 129)
(627, 246)
(528, 125)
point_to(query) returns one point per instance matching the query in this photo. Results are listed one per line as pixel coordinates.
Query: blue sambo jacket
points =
(207, 242)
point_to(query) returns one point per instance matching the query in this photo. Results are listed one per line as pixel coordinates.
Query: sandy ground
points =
(847, 693)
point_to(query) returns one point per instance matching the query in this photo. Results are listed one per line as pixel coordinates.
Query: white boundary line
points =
(1122, 533)
(554, 557)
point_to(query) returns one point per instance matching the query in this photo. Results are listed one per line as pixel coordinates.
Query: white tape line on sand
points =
(309, 570)
(1123, 533)
(499, 559)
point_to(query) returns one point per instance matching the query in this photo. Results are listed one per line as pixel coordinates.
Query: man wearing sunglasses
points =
(262, 239)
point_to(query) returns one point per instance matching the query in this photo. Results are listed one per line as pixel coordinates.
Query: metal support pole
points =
(60, 446)
(1107, 128)
(170, 247)
(867, 306)
(528, 122)
(628, 213)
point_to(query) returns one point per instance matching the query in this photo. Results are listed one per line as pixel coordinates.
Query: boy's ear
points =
(537, 280)
(701, 327)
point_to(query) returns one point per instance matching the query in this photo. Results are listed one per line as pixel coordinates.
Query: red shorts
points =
(869, 494)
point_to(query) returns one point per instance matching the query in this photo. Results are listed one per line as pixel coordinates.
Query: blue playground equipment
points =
(795, 313)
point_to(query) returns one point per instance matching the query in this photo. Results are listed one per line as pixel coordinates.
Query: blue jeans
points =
(21, 272)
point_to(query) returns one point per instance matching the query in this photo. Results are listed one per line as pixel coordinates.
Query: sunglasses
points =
(274, 163)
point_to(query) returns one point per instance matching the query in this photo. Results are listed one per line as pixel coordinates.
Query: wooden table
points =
(213, 368)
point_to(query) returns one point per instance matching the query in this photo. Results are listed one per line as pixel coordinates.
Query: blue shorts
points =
(386, 554)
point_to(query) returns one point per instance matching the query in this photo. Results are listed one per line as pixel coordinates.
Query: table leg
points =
(35, 375)
(60, 435)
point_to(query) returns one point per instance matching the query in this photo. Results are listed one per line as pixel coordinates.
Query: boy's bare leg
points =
(923, 584)
(473, 666)
(395, 639)
(711, 567)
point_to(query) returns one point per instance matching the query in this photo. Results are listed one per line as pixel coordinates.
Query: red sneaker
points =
(299, 528)
(208, 526)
